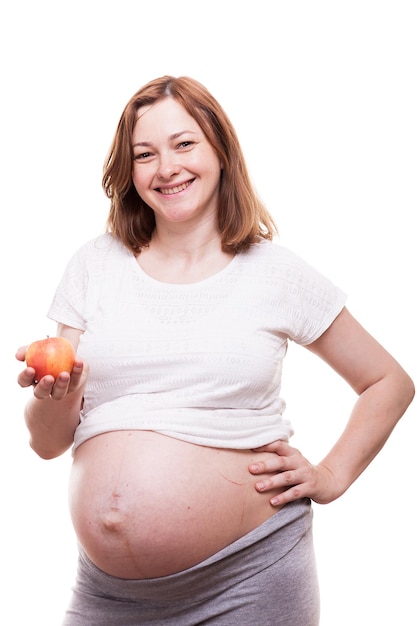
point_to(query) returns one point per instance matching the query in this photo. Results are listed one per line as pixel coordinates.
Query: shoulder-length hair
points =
(242, 217)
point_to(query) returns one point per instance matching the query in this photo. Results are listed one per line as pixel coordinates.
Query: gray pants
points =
(266, 578)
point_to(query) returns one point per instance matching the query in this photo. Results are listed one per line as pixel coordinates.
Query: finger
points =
(21, 353)
(289, 495)
(76, 375)
(26, 377)
(61, 386)
(293, 474)
(43, 388)
(269, 465)
(276, 461)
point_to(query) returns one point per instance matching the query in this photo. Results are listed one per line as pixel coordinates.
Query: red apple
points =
(50, 356)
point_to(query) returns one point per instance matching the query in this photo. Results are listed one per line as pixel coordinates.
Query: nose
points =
(168, 166)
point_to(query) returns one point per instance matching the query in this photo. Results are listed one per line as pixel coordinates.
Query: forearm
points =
(52, 423)
(374, 416)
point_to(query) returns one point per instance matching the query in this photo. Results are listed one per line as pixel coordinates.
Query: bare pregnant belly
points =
(146, 505)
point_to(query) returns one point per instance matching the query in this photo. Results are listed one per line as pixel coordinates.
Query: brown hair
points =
(242, 217)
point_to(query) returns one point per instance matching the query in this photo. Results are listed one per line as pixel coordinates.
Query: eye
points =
(185, 144)
(141, 156)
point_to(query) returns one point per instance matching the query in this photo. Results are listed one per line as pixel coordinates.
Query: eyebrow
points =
(170, 138)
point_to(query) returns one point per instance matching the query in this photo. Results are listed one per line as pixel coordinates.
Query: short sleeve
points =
(68, 304)
(312, 301)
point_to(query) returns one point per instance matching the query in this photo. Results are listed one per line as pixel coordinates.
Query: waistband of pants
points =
(255, 551)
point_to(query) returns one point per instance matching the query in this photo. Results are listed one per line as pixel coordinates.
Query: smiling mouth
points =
(173, 190)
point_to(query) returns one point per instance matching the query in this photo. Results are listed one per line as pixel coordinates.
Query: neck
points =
(180, 258)
(173, 240)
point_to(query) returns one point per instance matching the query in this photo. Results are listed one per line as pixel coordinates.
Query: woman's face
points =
(175, 171)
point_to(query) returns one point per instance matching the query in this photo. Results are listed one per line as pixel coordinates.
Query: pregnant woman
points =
(189, 504)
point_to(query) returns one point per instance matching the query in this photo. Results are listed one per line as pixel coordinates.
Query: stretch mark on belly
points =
(233, 482)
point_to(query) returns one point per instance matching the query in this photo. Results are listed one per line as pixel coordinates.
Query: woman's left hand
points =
(289, 469)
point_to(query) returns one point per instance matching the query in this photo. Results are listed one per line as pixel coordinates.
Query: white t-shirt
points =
(200, 362)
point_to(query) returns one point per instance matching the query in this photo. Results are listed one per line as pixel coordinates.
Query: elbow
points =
(408, 391)
(47, 454)
(412, 390)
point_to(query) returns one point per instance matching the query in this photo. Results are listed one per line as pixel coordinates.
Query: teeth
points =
(169, 192)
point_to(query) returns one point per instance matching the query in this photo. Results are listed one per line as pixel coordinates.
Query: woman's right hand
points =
(48, 386)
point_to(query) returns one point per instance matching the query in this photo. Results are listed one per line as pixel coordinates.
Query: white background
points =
(323, 96)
